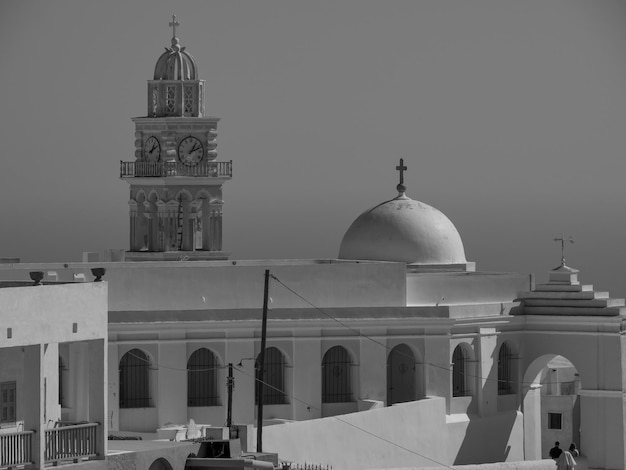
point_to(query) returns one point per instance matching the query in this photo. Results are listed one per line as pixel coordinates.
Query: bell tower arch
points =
(175, 181)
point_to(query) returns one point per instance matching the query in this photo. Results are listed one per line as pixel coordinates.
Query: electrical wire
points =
(312, 407)
(361, 335)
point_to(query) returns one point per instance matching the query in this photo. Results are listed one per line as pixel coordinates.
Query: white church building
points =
(399, 352)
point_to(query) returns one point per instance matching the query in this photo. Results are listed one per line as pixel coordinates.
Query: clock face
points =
(152, 150)
(190, 151)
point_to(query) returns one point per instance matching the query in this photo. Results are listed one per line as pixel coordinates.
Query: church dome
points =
(405, 230)
(176, 64)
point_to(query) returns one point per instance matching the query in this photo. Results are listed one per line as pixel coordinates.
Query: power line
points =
(312, 407)
(358, 332)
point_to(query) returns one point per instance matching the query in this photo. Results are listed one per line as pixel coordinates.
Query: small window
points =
(554, 420)
(170, 99)
(7, 402)
(188, 99)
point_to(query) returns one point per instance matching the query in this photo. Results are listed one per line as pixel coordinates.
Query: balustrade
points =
(163, 169)
(15, 449)
(71, 442)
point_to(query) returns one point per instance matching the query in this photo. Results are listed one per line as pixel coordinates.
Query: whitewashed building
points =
(399, 343)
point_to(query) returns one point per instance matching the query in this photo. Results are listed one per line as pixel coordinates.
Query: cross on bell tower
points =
(173, 25)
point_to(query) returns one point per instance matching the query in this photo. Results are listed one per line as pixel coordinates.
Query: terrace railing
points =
(164, 169)
(15, 449)
(72, 442)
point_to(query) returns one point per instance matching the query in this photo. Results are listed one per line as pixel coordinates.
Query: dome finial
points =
(401, 187)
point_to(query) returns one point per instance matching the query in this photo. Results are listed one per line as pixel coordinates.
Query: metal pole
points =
(261, 366)
(230, 383)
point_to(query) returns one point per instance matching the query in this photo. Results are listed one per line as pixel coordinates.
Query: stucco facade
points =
(53, 355)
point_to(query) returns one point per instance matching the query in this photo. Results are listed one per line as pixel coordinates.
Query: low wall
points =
(140, 455)
(404, 434)
(547, 464)
(417, 434)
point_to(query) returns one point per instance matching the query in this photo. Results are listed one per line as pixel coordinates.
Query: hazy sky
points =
(510, 116)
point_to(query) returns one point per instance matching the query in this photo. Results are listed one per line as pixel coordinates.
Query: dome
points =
(403, 230)
(175, 64)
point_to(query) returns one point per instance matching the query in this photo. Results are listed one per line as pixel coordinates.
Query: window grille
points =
(505, 385)
(170, 99)
(134, 380)
(336, 376)
(554, 420)
(155, 99)
(202, 379)
(188, 99)
(459, 373)
(7, 402)
(273, 378)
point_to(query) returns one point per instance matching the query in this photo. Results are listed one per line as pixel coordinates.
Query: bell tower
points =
(175, 181)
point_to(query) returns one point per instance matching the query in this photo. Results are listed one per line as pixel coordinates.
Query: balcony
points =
(15, 449)
(166, 169)
(69, 443)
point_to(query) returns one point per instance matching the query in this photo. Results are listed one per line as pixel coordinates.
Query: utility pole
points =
(261, 365)
(230, 384)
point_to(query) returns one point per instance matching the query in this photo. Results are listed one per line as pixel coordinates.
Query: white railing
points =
(164, 169)
(71, 442)
(15, 449)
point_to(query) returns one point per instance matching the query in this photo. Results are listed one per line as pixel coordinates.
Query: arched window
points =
(273, 378)
(336, 376)
(202, 379)
(134, 380)
(505, 370)
(460, 379)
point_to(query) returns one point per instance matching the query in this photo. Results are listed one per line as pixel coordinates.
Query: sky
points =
(510, 116)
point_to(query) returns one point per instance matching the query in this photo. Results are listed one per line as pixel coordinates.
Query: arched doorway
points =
(160, 464)
(551, 388)
(401, 383)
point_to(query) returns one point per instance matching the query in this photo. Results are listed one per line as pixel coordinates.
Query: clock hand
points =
(196, 147)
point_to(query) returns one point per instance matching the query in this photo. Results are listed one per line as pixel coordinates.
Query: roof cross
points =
(173, 24)
(401, 167)
(563, 240)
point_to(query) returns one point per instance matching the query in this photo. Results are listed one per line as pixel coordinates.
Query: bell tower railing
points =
(163, 169)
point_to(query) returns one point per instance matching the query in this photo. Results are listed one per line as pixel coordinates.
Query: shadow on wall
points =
(487, 439)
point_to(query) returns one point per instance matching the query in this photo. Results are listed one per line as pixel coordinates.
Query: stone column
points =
(97, 389)
(373, 384)
(438, 373)
(172, 381)
(33, 394)
(532, 422)
(307, 378)
(133, 223)
(113, 387)
(79, 382)
(487, 372)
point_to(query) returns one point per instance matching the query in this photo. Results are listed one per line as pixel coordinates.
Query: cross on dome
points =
(401, 168)
(173, 25)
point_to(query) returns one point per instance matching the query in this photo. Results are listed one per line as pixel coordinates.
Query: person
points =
(556, 451)
(573, 450)
(565, 461)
